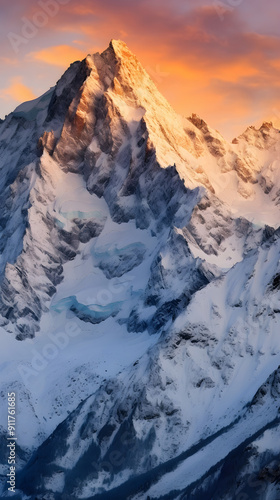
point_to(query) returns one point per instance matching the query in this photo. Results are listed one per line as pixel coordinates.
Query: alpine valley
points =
(139, 295)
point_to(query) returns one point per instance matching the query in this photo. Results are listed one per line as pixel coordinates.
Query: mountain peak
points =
(197, 121)
(119, 51)
(119, 46)
(124, 242)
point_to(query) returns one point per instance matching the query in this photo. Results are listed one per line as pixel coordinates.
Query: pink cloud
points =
(209, 62)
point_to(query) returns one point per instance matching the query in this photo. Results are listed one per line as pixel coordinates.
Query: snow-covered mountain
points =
(139, 294)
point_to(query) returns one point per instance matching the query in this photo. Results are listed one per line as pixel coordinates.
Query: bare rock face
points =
(214, 143)
(47, 142)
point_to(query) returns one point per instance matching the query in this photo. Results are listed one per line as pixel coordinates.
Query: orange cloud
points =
(8, 61)
(226, 70)
(82, 10)
(17, 91)
(59, 55)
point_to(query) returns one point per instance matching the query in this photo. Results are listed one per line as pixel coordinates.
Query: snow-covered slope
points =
(139, 295)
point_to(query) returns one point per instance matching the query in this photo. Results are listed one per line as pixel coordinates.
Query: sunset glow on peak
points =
(221, 62)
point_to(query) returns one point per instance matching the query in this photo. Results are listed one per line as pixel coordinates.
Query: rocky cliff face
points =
(157, 242)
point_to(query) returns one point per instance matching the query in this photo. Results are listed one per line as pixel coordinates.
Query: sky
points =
(219, 59)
